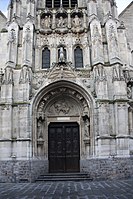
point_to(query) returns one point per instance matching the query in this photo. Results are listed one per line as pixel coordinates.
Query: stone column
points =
(6, 110)
(53, 21)
(121, 111)
(103, 138)
(84, 19)
(69, 19)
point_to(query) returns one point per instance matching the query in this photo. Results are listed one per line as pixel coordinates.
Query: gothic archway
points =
(62, 102)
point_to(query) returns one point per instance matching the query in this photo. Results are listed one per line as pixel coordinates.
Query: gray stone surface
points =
(127, 17)
(3, 21)
(29, 171)
(68, 190)
(97, 95)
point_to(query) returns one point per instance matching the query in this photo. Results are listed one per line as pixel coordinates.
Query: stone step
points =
(64, 177)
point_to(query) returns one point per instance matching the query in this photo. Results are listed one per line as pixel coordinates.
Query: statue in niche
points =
(129, 91)
(46, 22)
(39, 129)
(76, 22)
(86, 127)
(61, 55)
(61, 22)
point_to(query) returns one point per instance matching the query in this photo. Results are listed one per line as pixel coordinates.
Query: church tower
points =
(65, 90)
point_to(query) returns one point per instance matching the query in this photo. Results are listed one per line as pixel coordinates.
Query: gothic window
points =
(73, 3)
(45, 58)
(78, 57)
(49, 3)
(61, 3)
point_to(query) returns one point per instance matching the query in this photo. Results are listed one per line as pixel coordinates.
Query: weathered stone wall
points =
(3, 50)
(97, 169)
(111, 168)
(2, 20)
(101, 88)
(127, 17)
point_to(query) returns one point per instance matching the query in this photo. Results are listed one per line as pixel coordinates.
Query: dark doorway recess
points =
(64, 147)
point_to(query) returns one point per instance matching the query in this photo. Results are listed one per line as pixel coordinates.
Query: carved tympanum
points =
(62, 106)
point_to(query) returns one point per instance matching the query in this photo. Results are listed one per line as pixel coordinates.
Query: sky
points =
(121, 4)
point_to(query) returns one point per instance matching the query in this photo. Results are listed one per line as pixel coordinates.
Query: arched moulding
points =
(63, 101)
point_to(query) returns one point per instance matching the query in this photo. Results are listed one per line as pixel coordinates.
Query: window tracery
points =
(61, 3)
(45, 58)
(78, 57)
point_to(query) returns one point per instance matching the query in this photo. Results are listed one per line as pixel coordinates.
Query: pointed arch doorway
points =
(61, 107)
(63, 147)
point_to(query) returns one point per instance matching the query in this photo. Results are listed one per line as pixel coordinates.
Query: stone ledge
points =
(15, 140)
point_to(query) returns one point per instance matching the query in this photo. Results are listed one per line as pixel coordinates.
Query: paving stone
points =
(68, 190)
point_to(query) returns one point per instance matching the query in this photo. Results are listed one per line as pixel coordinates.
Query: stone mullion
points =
(61, 3)
(69, 3)
(52, 3)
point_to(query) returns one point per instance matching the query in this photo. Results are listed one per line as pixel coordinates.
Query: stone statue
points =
(61, 55)
(76, 22)
(46, 22)
(61, 22)
(86, 128)
(39, 129)
(129, 91)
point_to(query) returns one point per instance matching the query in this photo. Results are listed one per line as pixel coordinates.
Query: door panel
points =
(64, 148)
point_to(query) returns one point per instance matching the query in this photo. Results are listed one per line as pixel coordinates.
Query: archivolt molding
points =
(57, 88)
(62, 101)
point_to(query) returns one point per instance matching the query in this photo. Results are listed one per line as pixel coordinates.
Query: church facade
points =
(66, 101)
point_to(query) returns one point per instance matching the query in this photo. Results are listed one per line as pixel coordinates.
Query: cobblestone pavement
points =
(122, 189)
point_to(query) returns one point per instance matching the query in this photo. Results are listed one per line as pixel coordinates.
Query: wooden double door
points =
(63, 147)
